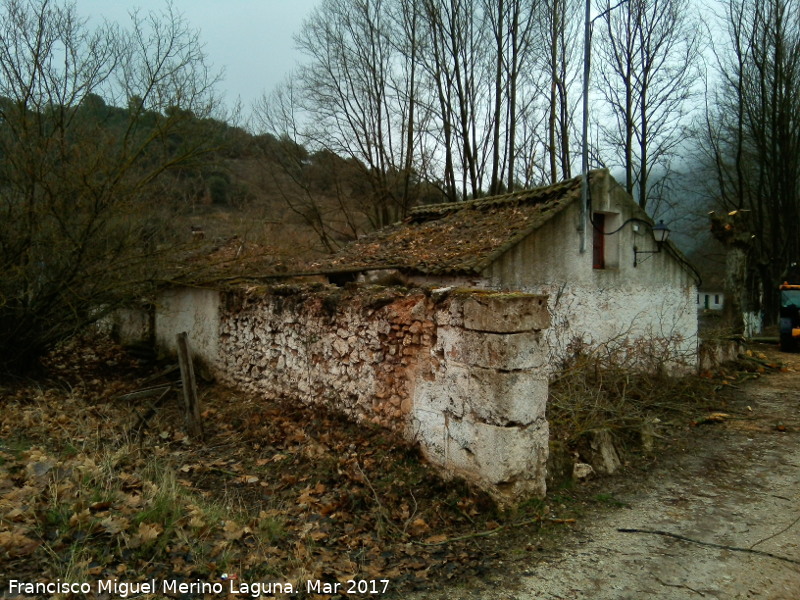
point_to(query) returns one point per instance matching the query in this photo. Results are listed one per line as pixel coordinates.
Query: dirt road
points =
(736, 489)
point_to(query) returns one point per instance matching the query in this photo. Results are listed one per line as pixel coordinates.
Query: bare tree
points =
(456, 65)
(408, 41)
(323, 203)
(437, 94)
(79, 176)
(513, 28)
(753, 142)
(648, 57)
(560, 28)
(360, 98)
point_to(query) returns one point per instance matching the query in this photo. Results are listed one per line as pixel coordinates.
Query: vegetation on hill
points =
(110, 150)
(81, 180)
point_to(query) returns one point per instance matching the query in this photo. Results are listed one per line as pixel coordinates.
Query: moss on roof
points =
(456, 238)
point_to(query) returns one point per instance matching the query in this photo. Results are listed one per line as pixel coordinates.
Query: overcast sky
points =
(250, 39)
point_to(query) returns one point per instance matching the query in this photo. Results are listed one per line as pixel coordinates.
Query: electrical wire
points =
(673, 252)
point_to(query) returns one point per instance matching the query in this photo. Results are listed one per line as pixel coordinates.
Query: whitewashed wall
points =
(480, 405)
(644, 315)
(461, 372)
(195, 311)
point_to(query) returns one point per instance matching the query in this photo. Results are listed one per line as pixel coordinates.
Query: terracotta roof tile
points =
(458, 238)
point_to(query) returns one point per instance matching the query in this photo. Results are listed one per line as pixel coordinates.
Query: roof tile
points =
(455, 238)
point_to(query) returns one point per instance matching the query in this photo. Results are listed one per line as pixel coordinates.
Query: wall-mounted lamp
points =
(661, 234)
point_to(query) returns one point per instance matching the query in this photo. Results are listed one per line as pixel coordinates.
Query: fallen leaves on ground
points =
(276, 491)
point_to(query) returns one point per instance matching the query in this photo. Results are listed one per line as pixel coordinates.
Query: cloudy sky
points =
(250, 39)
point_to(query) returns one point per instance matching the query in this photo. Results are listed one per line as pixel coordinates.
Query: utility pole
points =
(587, 56)
(587, 50)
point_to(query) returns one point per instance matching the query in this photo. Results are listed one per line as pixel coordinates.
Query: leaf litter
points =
(275, 492)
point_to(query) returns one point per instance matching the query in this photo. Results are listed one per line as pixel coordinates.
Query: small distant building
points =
(711, 299)
(711, 293)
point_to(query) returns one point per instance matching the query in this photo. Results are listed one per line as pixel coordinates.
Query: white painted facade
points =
(714, 300)
(195, 311)
(642, 315)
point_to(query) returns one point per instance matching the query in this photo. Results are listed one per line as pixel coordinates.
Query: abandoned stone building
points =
(622, 294)
(447, 326)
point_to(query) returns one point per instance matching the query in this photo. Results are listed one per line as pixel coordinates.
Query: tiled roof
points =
(457, 238)
(234, 258)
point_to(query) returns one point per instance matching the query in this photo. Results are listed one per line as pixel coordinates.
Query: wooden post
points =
(189, 387)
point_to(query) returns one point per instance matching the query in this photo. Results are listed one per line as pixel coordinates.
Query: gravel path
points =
(740, 488)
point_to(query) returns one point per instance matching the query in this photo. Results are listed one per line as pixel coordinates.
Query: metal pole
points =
(587, 42)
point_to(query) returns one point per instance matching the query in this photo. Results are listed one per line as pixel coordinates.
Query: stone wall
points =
(716, 352)
(462, 372)
(480, 406)
(195, 311)
(357, 351)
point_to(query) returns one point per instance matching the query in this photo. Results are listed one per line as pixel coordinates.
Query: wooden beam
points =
(143, 420)
(145, 392)
(190, 399)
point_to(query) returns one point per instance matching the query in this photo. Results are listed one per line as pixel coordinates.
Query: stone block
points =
(511, 459)
(506, 397)
(490, 396)
(420, 310)
(447, 393)
(428, 428)
(449, 313)
(509, 351)
(603, 454)
(506, 313)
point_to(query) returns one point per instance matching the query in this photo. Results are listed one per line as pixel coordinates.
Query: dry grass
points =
(275, 492)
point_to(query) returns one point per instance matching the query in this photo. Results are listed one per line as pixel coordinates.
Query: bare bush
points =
(90, 121)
